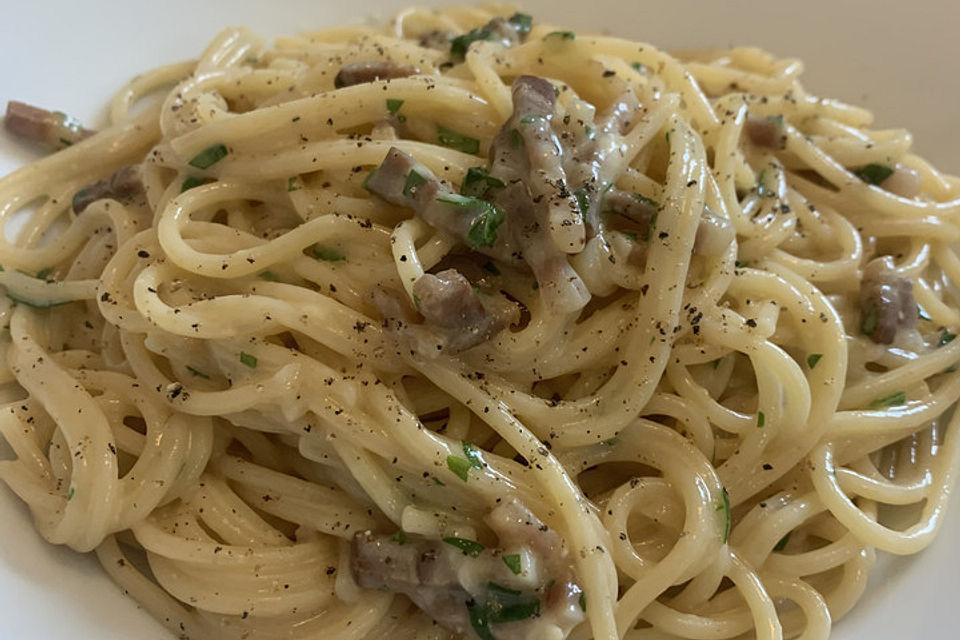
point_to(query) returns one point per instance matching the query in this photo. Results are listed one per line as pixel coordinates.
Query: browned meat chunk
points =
(886, 302)
(393, 306)
(714, 234)
(52, 128)
(766, 132)
(523, 589)
(124, 186)
(363, 72)
(423, 570)
(451, 307)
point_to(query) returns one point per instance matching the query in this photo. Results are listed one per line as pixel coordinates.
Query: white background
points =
(899, 59)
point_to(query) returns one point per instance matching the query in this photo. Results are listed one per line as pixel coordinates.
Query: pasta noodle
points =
(470, 326)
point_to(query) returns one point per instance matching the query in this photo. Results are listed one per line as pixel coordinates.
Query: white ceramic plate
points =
(898, 59)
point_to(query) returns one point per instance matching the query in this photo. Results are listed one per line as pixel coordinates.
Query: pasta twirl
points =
(472, 326)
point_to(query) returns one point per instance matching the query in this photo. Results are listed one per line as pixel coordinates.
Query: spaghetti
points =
(471, 326)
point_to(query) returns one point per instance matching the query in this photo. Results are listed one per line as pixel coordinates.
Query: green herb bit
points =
(650, 226)
(209, 156)
(761, 419)
(762, 190)
(725, 507)
(650, 202)
(945, 338)
(716, 363)
(667, 135)
(468, 547)
(478, 182)
(437, 481)
(70, 492)
(516, 139)
(413, 181)
(629, 235)
(400, 537)
(611, 442)
(193, 181)
(248, 360)
(639, 67)
(873, 173)
(783, 542)
(393, 105)
(43, 273)
(458, 141)
(813, 359)
(459, 466)
(583, 202)
(472, 456)
(869, 322)
(491, 268)
(269, 276)
(892, 400)
(560, 35)
(512, 560)
(478, 614)
(199, 374)
(327, 254)
(483, 229)
(532, 119)
(294, 183)
(583, 600)
(522, 22)
(460, 44)
(521, 609)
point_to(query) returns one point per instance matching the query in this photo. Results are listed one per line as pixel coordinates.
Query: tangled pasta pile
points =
(469, 326)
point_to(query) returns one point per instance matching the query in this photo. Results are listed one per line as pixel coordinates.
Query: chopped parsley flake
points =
(892, 400)
(761, 419)
(468, 547)
(394, 105)
(725, 507)
(522, 22)
(327, 254)
(458, 141)
(459, 466)
(413, 181)
(813, 359)
(193, 181)
(209, 156)
(460, 44)
(199, 374)
(873, 173)
(478, 182)
(783, 542)
(472, 456)
(248, 360)
(560, 35)
(512, 560)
